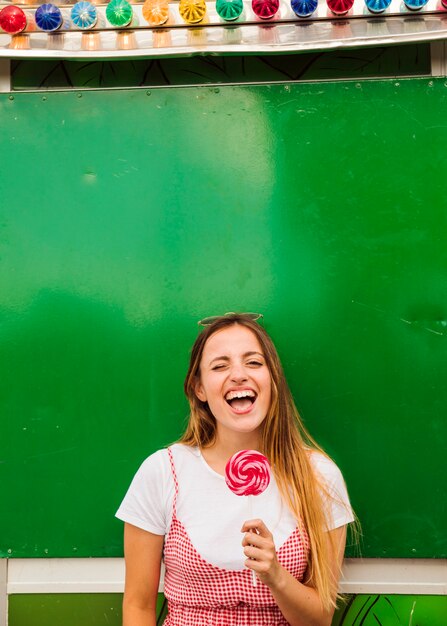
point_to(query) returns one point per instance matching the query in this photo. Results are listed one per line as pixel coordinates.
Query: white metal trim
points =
(100, 575)
(5, 78)
(3, 592)
(400, 576)
(438, 58)
(106, 575)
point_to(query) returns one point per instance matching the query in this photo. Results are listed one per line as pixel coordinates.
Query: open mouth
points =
(242, 400)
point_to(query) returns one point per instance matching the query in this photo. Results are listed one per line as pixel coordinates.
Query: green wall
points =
(128, 215)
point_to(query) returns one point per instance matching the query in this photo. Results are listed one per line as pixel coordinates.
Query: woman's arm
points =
(299, 603)
(142, 553)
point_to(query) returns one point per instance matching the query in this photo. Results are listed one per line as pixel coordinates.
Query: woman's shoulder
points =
(161, 457)
(159, 463)
(334, 492)
(184, 451)
(325, 467)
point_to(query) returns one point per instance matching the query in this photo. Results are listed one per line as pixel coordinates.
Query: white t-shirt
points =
(212, 514)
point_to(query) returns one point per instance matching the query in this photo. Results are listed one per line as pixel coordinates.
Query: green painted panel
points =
(105, 610)
(128, 215)
(392, 610)
(70, 609)
(75, 609)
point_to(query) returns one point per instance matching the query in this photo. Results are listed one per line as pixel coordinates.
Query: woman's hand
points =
(298, 601)
(259, 548)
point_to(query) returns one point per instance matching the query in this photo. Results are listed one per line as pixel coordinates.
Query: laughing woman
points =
(179, 508)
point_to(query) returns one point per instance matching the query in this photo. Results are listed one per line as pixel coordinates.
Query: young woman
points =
(179, 507)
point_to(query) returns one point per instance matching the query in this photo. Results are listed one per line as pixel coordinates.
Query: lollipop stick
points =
(250, 514)
(247, 473)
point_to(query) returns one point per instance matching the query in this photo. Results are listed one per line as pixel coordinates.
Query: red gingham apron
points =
(202, 594)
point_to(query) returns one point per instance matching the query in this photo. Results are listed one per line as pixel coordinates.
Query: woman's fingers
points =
(252, 552)
(257, 534)
(262, 563)
(257, 524)
(258, 541)
(253, 539)
(259, 548)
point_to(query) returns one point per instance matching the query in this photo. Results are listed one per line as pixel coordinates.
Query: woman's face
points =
(235, 380)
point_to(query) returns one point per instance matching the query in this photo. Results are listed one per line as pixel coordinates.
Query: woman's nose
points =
(238, 373)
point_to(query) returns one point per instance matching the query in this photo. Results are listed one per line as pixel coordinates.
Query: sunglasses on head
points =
(207, 321)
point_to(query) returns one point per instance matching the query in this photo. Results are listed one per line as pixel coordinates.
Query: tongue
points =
(241, 404)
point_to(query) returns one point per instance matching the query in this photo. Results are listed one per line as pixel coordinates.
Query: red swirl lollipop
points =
(247, 473)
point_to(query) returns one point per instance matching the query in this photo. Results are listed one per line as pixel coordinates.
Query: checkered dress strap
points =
(174, 476)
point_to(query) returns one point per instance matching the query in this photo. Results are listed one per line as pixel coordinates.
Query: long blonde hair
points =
(284, 441)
